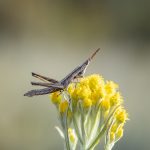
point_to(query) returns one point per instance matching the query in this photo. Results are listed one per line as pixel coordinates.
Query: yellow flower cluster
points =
(99, 100)
(92, 90)
(89, 90)
(116, 131)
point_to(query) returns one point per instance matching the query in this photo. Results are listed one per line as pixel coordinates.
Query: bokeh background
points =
(52, 37)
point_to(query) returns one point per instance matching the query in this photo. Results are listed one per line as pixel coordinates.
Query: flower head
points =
(90, 109)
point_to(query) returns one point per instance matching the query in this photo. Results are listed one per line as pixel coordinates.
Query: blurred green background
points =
(52, 37)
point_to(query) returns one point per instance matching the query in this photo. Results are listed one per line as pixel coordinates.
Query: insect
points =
(53, 85)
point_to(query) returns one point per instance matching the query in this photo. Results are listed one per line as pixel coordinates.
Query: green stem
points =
(108, 147)
(82, 128)
(95, 141)
(95, 124)
(66, 131)
(77, 130)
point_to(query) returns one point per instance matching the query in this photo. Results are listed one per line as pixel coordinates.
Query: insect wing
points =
(43, 78)
(41, 91)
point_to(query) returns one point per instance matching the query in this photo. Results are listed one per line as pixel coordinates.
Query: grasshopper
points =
(53, 85)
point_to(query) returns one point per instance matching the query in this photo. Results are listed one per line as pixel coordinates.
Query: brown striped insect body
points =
(53, 85)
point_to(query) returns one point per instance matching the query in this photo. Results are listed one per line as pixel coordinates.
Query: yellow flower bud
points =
(63, 106)
(87, 103)
(105, 104)
(84, 92)
(116, 99)
(56, 97)
(71, 135)
(71, 88)
(110, 87)
(114, 127)
(96, 95)
(121, 115)
(84, 81)
(119, 133)
(95, 81)
(74, 94)
(112, 136)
